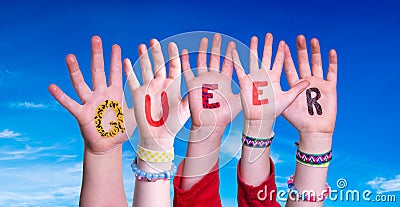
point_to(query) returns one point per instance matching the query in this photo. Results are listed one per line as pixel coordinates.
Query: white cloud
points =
(5, 72)
(49, 185)
(28, 105)
(6, 133)
(65, 196)
(276, 158)
(383, 185)
(77, 168)
(63, 158)
(29, 153)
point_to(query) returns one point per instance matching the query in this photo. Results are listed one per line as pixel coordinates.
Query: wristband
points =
(314, 160)
(256, 142)
(307, 195)
(152, 177)
(155, 156)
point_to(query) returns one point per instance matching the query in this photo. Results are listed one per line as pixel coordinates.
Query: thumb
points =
(294, 92)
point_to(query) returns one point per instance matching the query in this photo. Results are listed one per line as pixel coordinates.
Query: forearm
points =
(311, 178)
(159, 189)
(255, 163)
(102, 183)
(202, 154)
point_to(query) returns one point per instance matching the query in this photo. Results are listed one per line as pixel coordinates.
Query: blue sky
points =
(40, 144)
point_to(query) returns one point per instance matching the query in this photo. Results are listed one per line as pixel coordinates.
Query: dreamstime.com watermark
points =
(342, 194)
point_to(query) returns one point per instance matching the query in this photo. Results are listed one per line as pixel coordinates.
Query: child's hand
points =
(212, 103)
(102, 129)
(262, 97)
(159, 108)
(314, 111)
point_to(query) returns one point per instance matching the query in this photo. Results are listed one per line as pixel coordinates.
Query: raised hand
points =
(314, 111)
(212, 103)
(262, 97)
(102, 119)
(212, 106)
(160, 112)
(313, 114)
(159, 108)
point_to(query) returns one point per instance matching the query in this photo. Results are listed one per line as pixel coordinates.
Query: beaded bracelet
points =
(155, 156)
(256, 142)
(308, 196)
(152, 177)
(314, 160)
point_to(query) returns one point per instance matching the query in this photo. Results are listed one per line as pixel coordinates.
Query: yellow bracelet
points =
(155, 156)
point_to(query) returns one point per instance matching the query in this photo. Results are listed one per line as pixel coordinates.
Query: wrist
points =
(205, 133)
(152, 166)
(204, 140)
(111, 152)
(157, 144)
(315, 142)
(258, 128)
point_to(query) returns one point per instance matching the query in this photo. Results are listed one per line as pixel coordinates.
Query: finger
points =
(187, 72)
(304, 65)
(290, 69)
(116, 67)
(174, 62)
(98, 75)
(202, 57)
(130, 75)
(267, 53)
(333, 67)
(81, 88)
(145, 64)
(279, 59)
(316, 58)
(215, 53)
(241, 74)
(253, 54)
(158, 58)
(294, 92)
(227, 66)
(72, 106)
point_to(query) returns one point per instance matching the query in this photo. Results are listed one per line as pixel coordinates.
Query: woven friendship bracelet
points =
(314, 160)
(307, 195)
(155, 156)
(152, 177)
(256, 142)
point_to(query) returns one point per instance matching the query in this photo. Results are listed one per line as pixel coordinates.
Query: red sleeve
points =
(203, 193)
(253, 196)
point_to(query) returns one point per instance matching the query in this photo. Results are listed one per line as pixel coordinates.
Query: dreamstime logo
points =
(342, 194)
(341, 183)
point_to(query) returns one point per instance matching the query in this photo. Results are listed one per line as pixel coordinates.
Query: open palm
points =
(273, 100)
(167, 112)
(319, 116)
(91, 100)
(223, 106)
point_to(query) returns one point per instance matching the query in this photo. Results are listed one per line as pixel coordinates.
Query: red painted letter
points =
(165, 108)
(206, 96)
(259, 95)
